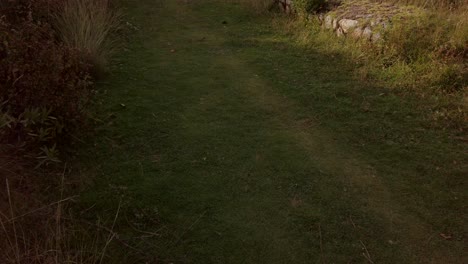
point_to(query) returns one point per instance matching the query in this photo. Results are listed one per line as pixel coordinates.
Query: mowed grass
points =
(221, 140)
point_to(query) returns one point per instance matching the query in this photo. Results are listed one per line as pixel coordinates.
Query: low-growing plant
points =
(34, 132)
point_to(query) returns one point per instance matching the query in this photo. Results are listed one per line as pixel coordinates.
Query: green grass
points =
(232, 143)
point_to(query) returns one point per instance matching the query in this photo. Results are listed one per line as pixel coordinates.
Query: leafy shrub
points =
(308, 6)
(44, 85)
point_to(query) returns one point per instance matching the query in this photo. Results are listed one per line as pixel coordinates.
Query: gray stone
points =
(367, 33)
(356, 33)
(376, 37)
(340, 33)
(347, 24)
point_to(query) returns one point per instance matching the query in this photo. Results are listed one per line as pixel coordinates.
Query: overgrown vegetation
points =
(433, 47)
(44, 87)
(50, 53)
(426, 55)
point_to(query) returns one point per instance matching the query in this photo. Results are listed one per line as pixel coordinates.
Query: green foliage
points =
(48, 155)
(308, 6)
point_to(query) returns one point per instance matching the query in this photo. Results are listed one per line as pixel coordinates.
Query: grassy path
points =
(229, 143)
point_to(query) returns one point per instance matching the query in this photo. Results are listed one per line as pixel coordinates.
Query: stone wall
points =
(358, 18)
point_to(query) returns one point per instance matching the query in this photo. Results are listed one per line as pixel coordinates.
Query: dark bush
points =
(44, 85)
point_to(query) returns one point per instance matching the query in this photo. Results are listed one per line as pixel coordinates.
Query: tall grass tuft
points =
(88, 25)
(35, 232)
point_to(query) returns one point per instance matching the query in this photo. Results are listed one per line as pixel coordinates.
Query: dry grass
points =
(433, 4)
(46, 234)
(450, 17)
(38, 228)
(88, 25)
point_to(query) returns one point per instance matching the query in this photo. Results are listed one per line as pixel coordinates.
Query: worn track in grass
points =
(227, 142)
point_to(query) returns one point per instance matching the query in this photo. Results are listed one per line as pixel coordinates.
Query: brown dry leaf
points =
(446, 236)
